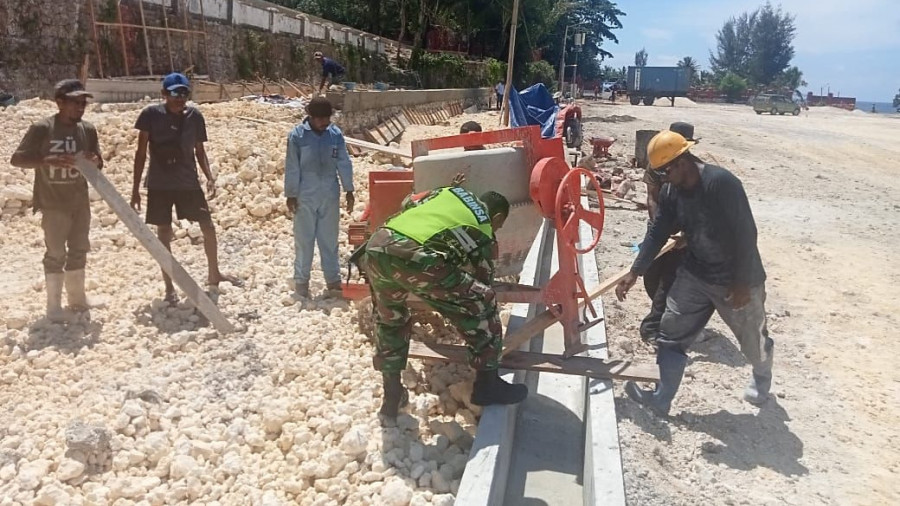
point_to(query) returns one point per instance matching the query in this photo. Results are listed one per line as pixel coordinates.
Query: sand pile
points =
(144, 404)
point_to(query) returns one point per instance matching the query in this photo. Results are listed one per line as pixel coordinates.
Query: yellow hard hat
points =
(665, 147)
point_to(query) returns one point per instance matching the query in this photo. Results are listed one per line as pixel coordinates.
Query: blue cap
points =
(174, 81)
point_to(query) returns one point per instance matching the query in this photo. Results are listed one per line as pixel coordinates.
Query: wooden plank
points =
(375, 147)
(543, 362)
(398, 126)
(159, 252)
(377, 136)
(544, 320)
(403, 119)
(385, 133)
(412, 115)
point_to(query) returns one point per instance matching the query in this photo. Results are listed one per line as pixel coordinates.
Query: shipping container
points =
(649, 83)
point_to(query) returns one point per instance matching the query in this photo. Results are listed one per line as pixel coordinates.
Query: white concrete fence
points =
(276, 19)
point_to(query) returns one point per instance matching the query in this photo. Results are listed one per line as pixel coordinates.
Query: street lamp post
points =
(579, 42)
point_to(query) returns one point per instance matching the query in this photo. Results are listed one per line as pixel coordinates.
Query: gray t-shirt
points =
(56, 188)
(173, 165)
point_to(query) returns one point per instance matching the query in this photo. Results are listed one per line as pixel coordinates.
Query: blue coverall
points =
(311, 170)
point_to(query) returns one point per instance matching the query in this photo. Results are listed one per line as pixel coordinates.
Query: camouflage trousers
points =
(469, 305)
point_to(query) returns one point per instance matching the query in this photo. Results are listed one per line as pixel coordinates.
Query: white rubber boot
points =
(75, 291)
(54, 282)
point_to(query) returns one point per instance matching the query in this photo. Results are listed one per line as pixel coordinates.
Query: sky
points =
(851, 47)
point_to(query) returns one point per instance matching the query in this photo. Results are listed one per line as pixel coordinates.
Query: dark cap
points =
(70, 88)
(686, 130)
(319, 107)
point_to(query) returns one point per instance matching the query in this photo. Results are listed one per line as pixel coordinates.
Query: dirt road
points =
(824, 192)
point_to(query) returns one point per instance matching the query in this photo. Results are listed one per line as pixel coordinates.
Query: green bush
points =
(733, 86)
(539, 72)
(496, 70)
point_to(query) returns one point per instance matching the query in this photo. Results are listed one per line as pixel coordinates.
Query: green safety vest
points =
(451, 209)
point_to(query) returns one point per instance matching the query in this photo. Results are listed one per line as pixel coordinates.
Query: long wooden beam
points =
(544, 320)
(159, 252)
(543, 362)
(159, 28)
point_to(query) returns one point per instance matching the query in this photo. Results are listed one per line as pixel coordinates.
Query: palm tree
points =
(691, 65)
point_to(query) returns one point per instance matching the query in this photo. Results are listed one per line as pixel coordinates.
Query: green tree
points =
(691, 65)
(539, 72)
(640, 58)
(733, 86)
(757, 46)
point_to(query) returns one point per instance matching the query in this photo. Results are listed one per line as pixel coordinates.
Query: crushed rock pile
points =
(142, 403)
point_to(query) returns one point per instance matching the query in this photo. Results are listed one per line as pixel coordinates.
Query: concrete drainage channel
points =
(560, 446)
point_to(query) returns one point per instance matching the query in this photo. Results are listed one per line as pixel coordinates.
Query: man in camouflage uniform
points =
(440, 247)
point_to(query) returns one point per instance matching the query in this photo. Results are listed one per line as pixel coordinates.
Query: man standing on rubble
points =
(722, 269)
(175, 134)
(316, 158)
(659, 277)
(440, 248)
(61, 193)
(331, 70)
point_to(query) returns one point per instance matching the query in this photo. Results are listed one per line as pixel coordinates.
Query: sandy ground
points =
(825, 196)
(251, 418)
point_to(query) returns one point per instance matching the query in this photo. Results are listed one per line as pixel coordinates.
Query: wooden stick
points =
(146, 237)
(146, 37)
(131, 25)
(168, 37)
(122, 36)
(544, 320)
(205, 37)
(190, 40)
(578, 365)
(96, 39)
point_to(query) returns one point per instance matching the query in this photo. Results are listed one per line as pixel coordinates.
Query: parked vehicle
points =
(649, 83)
(775, 104)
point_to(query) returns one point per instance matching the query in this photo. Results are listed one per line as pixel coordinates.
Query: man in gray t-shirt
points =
(61, 193)
(174, 133)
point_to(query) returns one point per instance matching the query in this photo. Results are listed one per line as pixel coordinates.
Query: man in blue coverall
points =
(316, 158)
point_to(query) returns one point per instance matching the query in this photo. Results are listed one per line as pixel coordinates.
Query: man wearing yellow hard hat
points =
(722, 270)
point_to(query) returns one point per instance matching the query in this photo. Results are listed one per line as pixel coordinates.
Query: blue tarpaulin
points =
(533, 106)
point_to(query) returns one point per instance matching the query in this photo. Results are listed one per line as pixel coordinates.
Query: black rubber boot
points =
(490, 389)
(395, 397)
(671, 369)
(757, 391)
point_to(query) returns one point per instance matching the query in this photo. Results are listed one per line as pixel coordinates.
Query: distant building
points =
(848, 103)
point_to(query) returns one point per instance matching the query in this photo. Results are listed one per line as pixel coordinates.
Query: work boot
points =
(490, 389)
(395, 397)
(75, 290)
(301, 290)
(54, 284)
(333, 290)
(757, 392)
(671, 369)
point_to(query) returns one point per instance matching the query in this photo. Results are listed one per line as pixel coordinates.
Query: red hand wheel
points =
(569, 212)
